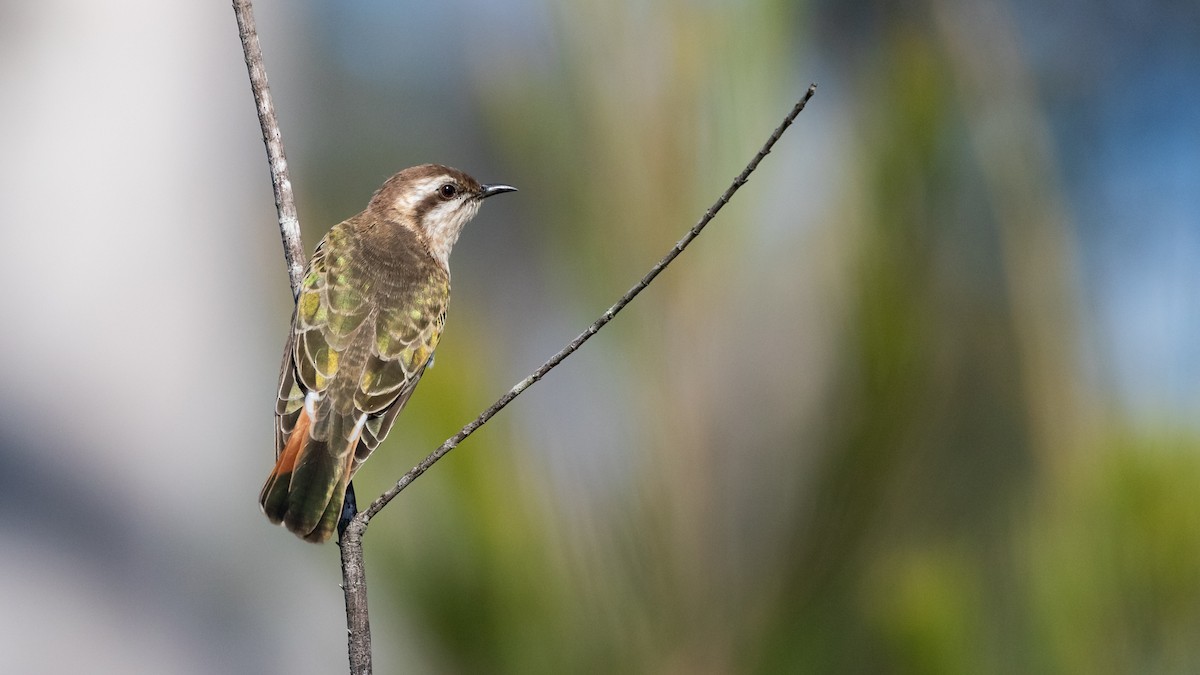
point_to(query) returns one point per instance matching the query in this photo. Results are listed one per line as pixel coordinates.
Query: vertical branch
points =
(285, 201)
(354, 586)
(354, 580)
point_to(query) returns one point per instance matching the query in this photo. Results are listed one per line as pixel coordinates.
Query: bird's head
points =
(435, 201)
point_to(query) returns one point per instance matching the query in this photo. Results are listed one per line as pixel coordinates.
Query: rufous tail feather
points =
(306, 489)
(273, 497)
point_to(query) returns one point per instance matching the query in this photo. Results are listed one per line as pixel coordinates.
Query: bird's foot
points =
(349, 510)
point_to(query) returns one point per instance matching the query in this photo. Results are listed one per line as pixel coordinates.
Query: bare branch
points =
(607, 316)
(354, 579)
(354, 582)
(354, 587)
(285, 202)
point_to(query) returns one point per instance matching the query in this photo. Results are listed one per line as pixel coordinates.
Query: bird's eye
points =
(448, 190)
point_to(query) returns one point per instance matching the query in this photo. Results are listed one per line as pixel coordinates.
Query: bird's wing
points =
(331, 311)
(317, 423)
(407, 330)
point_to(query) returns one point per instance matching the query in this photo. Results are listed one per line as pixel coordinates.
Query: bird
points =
(369, 313)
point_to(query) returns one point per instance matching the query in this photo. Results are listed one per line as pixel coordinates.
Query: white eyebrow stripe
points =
(422, 189)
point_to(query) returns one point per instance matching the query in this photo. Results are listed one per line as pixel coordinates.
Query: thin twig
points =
(285, 202)
(607, 316)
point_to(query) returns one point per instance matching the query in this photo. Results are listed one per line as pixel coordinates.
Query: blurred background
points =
(925, 398)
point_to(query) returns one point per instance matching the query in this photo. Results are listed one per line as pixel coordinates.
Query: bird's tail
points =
(308, 484)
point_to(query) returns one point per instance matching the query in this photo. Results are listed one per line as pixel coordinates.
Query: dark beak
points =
(489, 190)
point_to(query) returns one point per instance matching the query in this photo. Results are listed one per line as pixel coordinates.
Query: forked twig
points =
(353, 572)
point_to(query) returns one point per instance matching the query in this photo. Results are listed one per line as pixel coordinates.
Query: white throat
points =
(444, 223)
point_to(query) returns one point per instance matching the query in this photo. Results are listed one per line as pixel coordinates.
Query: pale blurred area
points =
(924, 398)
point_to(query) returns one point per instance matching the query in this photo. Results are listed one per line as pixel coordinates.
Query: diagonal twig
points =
(607, 316)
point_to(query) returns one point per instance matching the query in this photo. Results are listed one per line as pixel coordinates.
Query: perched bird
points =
(368, 317)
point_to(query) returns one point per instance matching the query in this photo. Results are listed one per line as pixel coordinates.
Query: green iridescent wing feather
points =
(405, 337)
